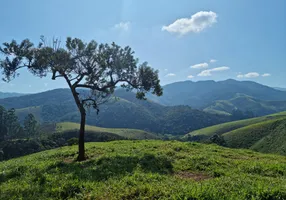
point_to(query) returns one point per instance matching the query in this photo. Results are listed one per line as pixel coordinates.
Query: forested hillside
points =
(203, 93)
(123, 112)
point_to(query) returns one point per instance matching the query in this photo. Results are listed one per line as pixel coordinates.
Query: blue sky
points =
(184, 39)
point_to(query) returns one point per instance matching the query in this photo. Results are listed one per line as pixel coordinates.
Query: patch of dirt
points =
(193, 176)
(68, 160)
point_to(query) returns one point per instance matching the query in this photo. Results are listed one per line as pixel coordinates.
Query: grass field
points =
(145, 170)
(126, 133)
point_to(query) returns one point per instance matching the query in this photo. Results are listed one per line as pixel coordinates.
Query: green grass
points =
(126, 133)
(247, 136)
(145, 170)
(229, 126)
(266, 137)
(264, 134)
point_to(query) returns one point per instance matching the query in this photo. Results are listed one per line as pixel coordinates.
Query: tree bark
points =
(81, 149)
(80, 105)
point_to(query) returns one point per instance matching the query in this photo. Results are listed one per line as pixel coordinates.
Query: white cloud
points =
(30, 85)
(223, 68)
(248, 75)
(190, 76)
(208, 72)
(124, 26)
(165, 70)
(200, 66)
(197, 23)
(213, 61)
(266, 75)
(46, 84)
(170, 74)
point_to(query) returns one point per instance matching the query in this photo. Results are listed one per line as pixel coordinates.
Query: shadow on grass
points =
(117, 166)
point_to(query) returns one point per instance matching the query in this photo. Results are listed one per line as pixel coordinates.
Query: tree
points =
(96, 67)
(30, 125)
(9, 124)
(3, 127)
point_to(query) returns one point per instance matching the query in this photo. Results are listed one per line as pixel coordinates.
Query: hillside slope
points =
(246, 104)
(125, 112)
(125, 133)
(10, 94)
(203, 93)
(266, 137)
(265, 134)
(145, 170)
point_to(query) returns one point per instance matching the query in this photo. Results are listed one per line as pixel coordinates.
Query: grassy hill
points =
(265, 134)
(125, 133)
(246, 103)
(267, 137)
(145, 170)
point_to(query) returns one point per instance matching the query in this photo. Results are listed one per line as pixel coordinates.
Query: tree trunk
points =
(80, 105)
(81, 149)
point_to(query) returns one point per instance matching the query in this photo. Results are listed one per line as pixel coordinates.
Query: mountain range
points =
(9, 94)
(184, 107)
(123, 112)
(224, 96)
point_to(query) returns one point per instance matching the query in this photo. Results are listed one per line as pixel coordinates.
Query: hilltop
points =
(145, 170)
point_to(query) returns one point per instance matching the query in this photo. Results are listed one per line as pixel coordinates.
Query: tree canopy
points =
(97, 67)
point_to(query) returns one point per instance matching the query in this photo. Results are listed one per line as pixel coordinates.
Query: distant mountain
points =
(246, 104)
(9, 94)
(279, 88)
(202, 94)
(126, 112)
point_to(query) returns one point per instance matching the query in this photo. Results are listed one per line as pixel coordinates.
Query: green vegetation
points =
(125, 133)
(23, 112)
(265, 134)
(229, 126)
(202, 94)
(50, 136)
(246, 104)
(97, 68)
(125, 112)
(145, 170)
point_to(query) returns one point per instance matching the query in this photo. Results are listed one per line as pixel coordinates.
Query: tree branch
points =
(102, 89)
(79, 79)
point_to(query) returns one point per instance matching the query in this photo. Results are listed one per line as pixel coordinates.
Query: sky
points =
(183, 39)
